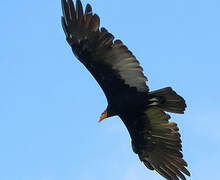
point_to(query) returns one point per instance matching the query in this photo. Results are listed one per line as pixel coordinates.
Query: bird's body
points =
(119, 74)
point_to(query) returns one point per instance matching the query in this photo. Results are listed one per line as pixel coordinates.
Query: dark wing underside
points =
(110, 62)
(157, 142)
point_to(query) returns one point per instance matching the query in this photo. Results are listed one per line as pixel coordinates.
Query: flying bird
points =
(154, 138)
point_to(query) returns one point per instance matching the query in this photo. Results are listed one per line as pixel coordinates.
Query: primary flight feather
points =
(154, 138)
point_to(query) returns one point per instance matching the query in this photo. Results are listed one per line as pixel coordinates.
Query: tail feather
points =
(169, 100)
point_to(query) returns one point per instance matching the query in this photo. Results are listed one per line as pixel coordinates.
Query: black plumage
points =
(155, 139)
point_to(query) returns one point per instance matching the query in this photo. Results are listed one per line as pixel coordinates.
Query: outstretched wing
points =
(110, 62)
(157, 142)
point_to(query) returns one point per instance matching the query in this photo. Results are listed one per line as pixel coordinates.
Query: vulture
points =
(154, 138)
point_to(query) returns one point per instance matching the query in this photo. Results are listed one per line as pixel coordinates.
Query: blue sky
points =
(50, 104)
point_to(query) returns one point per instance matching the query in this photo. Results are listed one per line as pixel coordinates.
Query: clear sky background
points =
(50, 104)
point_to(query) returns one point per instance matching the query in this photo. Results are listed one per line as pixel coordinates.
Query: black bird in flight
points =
(154, 138)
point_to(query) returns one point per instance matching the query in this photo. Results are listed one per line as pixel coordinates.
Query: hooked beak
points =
(103, 116)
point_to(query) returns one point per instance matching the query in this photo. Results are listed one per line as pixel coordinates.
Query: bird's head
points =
(103, 115)
(109, 112)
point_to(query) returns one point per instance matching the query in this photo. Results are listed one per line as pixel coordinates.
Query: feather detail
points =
(88, 15)
(94, 23)
(72, 12)
(79, 11)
